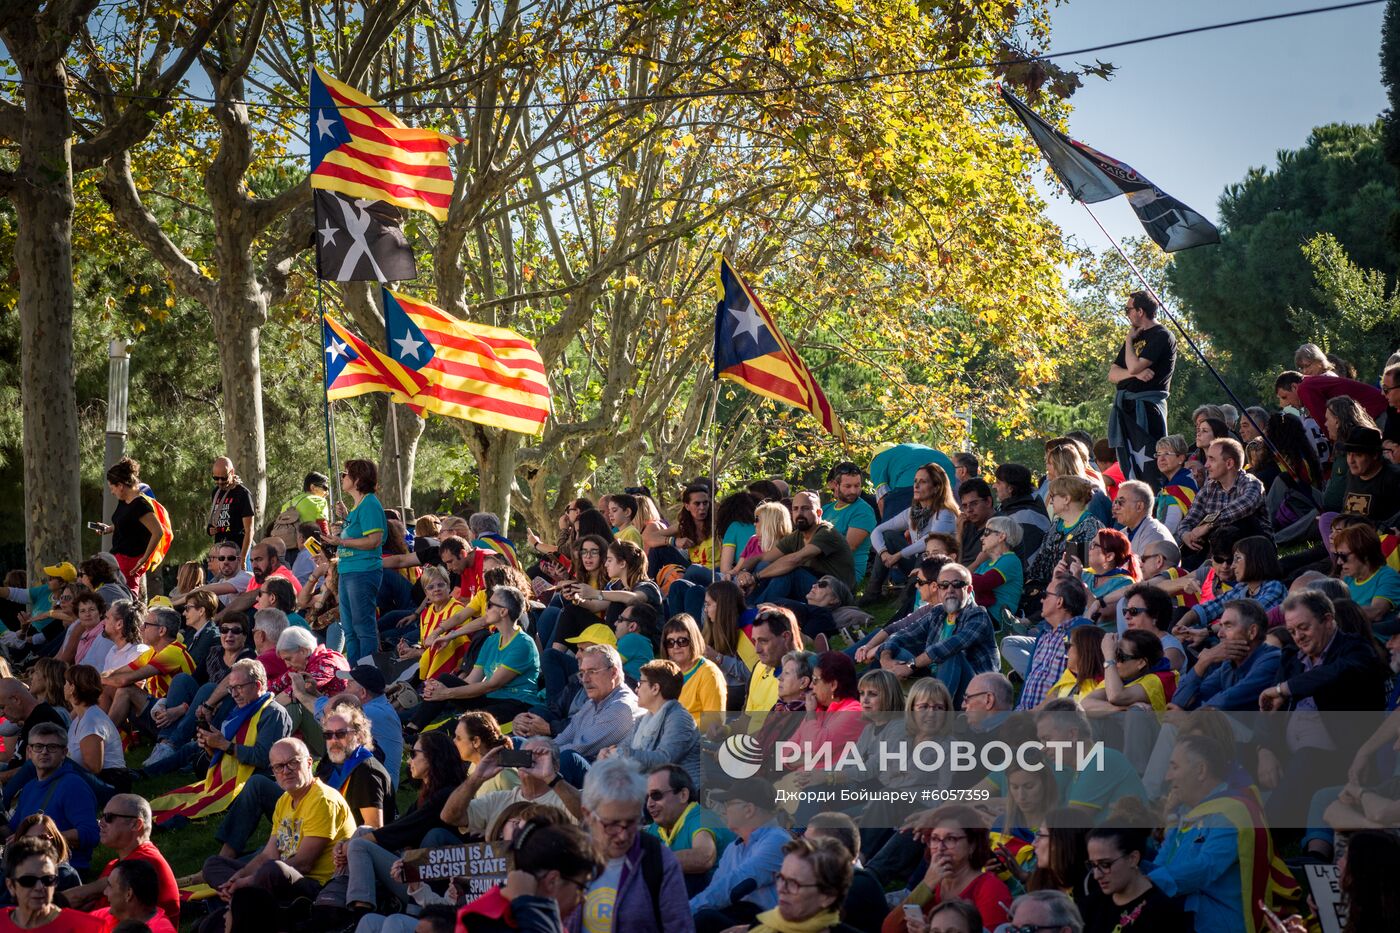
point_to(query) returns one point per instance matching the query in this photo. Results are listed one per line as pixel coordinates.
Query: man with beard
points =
(267, 560)
(794, 565)
(850, 514)
(954, 653)
(351, 768)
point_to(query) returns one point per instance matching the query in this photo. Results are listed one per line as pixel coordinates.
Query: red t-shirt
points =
(284, 572)
(168, 899)
(67, 921)
(274, 665)
(160, 923)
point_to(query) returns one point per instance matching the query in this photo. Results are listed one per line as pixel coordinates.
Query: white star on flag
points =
(749, 321)
(328, 234)
(336, 350)
(1140, 458)
(408, 346)
(325, 126)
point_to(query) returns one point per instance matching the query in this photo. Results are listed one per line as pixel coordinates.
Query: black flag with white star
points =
(360, 241)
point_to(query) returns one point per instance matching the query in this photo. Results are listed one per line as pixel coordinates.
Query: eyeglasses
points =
(336, 733)
(343, 474)
(416, 753)
(1133, 612)
(929, 707)
(223, 559)
(590, 671)
(45, 747)
(615, 826)
(498, 606)
(683, 642)
(28, 881)
(919, 581)
(1121, 658)
(219, 479)
(149, 624)
(945, 841)
(246, 683)
(286, 767)
(1028, 927)
(110, 817)
(952, 584)
(590, 552)
(784, 883)
(658, 795)
(1103, 866)
(973, 696)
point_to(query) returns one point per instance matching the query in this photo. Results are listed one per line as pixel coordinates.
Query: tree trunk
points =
(237, 328)
(495, 452)
(397, 454)
(44, 257)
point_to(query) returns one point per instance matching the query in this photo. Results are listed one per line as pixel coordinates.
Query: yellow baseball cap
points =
(163, 601)
(595, 634)
(64, 571)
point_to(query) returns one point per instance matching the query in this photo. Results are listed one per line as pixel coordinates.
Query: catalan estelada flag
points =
(490, 375)
(355, 368)
(226, 776)
(750, 350)
(167, 533)
(361, 149)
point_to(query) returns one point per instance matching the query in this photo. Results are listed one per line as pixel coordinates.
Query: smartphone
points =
(96, 526)
(913, 912)
(1081, 550)
(517, 758)
(313, 546)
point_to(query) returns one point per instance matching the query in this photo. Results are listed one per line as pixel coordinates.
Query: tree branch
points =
(119, 191)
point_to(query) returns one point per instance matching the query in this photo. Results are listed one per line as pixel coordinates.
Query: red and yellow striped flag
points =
(490, 375)
(361, 149)
(355, 368)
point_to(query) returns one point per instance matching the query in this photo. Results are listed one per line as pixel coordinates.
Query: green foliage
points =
(1390, 120)
(1361, 312)
(1238, 293)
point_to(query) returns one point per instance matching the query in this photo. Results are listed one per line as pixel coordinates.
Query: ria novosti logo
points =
(740, 756)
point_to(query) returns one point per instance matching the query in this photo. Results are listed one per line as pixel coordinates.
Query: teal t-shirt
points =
(1095, 789)
(844, 517)
(696, 819)
(1007, 596)
(364, 519)
(896, 466)
(736, 536)
(521, 656)
(296, 620)
(636, 650)
(1383, 584)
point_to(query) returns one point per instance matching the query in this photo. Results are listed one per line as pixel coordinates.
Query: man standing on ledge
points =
(1143, 374)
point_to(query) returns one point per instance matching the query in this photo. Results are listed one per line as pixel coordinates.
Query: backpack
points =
(286, 524)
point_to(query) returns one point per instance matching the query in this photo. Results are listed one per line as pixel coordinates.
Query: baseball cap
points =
(755, 790)
(367, 676)
(595, 634)
(160, 601)
(65, 571)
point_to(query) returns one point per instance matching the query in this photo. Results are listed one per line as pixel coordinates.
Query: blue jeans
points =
(791, 585)
(556, 667)
(183, 689)
(685, 596)
(359, 595)
(333, 637)
(549, 620)
(573, 767)
(257, 800)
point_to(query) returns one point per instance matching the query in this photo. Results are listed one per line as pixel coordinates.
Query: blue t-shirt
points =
(364, 519)
(1008, 595)
(519, 655)
(844, 517)
(636, 649)
(1383, 584)
(896, 466)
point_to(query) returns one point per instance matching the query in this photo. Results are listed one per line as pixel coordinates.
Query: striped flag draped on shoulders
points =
(476, 372)
(361, 149)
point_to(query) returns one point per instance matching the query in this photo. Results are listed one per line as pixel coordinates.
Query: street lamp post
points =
(118, 371)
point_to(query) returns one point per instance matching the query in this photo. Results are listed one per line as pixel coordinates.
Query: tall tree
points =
(160, 46)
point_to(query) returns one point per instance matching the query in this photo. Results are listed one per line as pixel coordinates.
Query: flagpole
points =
(333, 472)
(714, 476)
(1243, 409)
(393, 427)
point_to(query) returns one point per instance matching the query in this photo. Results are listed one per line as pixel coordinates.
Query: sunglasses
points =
(336, 733)
(677, 643)
(658, 795)
(1133, 612)
(1344, 555)
(952, 584)
(112, 817)
(1121, 658)
(821, 584)
(230, 630)
(28, 881)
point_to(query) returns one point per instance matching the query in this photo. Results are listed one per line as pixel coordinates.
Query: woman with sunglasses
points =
(42, 826)
(1134, 674)
(504, 680)
(1372, 583)
(959, 848)
(997, 573)
(704, 690)
(438, 769)
(31, 877)
(1133, 903)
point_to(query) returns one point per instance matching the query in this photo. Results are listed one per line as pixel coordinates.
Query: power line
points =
(718, 92)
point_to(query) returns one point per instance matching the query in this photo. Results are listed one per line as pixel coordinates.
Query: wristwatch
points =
(557, 778)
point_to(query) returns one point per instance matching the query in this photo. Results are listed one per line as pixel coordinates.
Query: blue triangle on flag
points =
(407, 342)
(328, 130)
(339, 354)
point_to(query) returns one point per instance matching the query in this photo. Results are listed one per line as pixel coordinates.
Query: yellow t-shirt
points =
(630, 533)
(763, 689)
(1073, 688)
(704, 690)
(321, 813)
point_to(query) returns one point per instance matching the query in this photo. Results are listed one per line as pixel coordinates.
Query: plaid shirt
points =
(1240, 501)
(1271, 593)
(1049, 658)
(973, 636)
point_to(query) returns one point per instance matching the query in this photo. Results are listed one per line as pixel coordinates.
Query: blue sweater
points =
(73, 805)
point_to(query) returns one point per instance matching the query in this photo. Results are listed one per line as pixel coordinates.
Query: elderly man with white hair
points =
(1047, 912)
(642, 883)
(953, 654)
(601, 716)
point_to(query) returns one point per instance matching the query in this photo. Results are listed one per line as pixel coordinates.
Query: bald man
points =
(231, 509)
(793, 566)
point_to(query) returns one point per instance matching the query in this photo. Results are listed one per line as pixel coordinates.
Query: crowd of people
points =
(1191, 605)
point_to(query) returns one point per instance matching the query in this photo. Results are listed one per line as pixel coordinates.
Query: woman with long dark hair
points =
(438, 769)
(898, 542)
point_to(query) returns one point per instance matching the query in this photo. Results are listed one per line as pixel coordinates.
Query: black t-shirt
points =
(1377, 498)
(1153, 912)
(129, 536)
(1157, 346)
(227, 510)
(41, 713)
(369, 787)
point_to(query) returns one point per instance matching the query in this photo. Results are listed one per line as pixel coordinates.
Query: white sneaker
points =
(162, 751)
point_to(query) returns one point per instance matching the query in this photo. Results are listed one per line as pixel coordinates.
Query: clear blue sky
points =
(1194, 113)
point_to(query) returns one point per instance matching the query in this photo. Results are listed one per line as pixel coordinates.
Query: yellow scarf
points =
(772, 922)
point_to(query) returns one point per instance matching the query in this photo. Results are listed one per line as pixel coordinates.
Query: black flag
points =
(1092, 176)
(360, 241)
